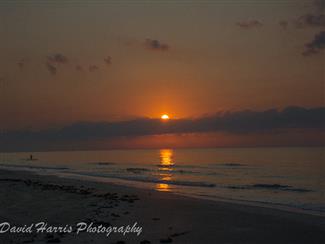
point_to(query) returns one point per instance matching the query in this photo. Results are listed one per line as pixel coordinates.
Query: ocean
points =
(287, 178)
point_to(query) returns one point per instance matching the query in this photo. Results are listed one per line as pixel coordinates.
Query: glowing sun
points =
(165, 117)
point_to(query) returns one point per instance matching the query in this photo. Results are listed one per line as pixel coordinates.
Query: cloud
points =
(250, 24)
(51, 68)
(283, 24)
(316, 45)
(314, 19)
(154, 44)
(57, 58)
(108, 60)
(311, 20)
(93, 68)
(52, 61)
(241, 123)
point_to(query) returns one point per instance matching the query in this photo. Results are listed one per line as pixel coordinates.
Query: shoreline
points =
(119, 182)
(164, 216)
(130, 184)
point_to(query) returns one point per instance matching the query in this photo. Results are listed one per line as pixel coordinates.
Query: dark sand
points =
(26, 198)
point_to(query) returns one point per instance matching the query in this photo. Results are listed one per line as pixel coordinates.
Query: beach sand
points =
(27, 198)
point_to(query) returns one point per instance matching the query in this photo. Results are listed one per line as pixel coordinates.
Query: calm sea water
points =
(292, 178)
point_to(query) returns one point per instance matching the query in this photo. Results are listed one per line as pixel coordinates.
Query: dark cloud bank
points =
(240, 122)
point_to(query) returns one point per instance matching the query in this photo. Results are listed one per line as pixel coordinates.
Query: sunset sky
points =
(111, 61)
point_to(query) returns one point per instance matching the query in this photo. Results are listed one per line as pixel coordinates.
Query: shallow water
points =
(288, 177)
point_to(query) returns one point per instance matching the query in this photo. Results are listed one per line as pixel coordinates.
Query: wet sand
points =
(27, 199)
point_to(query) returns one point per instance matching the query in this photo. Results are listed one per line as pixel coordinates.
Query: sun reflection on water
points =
(166, 163)
(162, 187)
(166, 157)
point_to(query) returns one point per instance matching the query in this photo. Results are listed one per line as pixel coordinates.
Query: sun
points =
(165, 117)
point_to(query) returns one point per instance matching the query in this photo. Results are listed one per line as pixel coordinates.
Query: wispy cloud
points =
(311, 20)
(156, 45)
(284, 24)
(57, 58)
(93, 68)
(250, 24)
(315, 18)
(52, 62)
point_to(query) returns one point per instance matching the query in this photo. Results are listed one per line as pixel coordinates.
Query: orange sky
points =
(186, 60)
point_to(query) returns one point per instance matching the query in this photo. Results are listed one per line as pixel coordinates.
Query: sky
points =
(114, 62)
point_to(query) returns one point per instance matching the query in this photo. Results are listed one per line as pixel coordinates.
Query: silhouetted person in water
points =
(31, 157)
